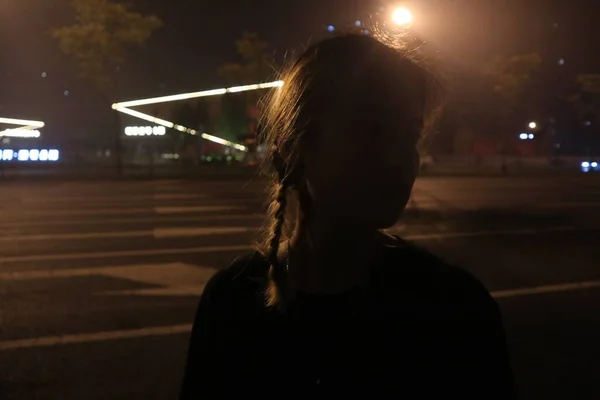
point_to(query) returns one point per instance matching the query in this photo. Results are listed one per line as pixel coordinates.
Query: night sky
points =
(198, 36)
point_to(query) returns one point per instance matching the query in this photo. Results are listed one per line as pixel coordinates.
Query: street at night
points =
(131, 138)
(99, 281)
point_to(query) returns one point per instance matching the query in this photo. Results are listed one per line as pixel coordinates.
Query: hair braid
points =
(276, 292)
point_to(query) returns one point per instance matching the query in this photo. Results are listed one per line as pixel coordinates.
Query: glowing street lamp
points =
(402, 16)
(532, 125)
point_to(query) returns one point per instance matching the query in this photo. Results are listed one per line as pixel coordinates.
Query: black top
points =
(419, 329)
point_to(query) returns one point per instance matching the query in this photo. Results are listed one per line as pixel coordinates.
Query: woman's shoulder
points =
(245, 275)
(422, 270)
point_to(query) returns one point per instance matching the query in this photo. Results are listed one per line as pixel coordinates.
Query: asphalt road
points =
(99, 281)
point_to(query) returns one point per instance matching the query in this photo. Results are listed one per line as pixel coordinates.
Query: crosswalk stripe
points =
(50, 341)
(124, 253)
(193, 209)
(211, 249)
(94, 337)
(125, 211)
(563, 287)
(137, 272)
(572, 204)
(158, 233)
(126, 220)
(115, 198)
(74, 236)
(168, 279)
(161, 233)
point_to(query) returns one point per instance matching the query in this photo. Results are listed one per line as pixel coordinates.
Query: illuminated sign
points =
(20, 133)
(29, 155)
(145, 131)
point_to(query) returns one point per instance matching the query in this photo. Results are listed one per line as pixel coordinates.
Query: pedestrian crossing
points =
(174, 209)
(100, 269)
(123, 233)
(140, 254)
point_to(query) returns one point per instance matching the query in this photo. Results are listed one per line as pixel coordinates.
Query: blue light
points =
(26, 155)
(7, 155)
(358, 22)
(331, 28)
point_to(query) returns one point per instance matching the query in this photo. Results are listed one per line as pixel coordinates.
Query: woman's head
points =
(342, 132)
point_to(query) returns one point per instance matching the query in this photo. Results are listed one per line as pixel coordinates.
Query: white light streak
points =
(223, 141)
(180, 128)
(23, 122)
(194, 95)
(124, 108)
(145, 117)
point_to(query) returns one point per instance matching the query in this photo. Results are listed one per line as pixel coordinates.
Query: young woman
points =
(331, 305)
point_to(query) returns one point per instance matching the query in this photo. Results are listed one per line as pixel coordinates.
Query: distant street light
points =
(402, 16)
(532, 125)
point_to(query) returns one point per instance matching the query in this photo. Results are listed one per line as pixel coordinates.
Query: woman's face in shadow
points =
(361, 163)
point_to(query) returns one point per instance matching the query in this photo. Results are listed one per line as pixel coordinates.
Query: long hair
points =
(320, 76)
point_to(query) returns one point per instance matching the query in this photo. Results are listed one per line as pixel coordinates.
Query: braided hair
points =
(276, 292)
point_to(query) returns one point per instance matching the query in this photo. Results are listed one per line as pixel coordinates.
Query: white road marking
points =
(571, 204)
(423, 204)
(117, 197)
(126, 220)
(456, 235)
(563, 287)
(193, 209)
(162, 233)
(184, 291)
(75, 236)
(178, 196)
(171, 279)
(124, 253)
(157, 233)
(211, 249)
(166, 274)
(121, 211)
(50, 341)
(503, 232)
(159, 182)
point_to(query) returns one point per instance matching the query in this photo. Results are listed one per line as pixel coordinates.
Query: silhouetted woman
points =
(332, 305)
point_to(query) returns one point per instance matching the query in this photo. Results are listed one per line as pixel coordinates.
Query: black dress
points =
(418, 329)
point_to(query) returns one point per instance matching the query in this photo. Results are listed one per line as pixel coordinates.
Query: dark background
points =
(198, 36)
